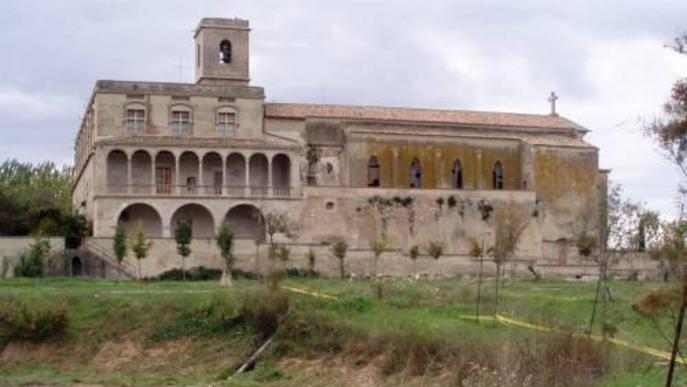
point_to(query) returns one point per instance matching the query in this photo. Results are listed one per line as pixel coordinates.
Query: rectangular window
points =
(181, 123)
(136, 121)
(225, 124)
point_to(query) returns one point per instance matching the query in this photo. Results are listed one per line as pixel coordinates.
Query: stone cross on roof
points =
(553, 98)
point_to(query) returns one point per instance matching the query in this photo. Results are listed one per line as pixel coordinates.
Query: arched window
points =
(373, 172)
(457, 178)
(225, 51)
(415, 174)
(497, 175)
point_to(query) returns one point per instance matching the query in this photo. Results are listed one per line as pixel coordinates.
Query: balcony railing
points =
(201, 190)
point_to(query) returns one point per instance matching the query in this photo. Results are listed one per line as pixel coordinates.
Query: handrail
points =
(94, 247)
(203, 190)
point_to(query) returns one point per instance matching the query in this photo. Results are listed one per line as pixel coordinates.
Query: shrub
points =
(262, 311)
(200, 273)
(20, 321)
(31, 262)
(216, 317)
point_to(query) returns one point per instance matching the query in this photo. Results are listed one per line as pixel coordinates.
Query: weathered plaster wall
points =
(111, 108)
(567, 184)
(437, 156)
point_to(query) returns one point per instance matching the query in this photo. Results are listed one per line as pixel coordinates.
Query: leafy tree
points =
(311, 262)
(119, 245)
(35, 199)
(31, 262)
(183, 235)
(435, 249)
(670, 133)
(413, 253)
(225, 242)
(140, 245)
(275, 222)
(339, 248)
(378, 246)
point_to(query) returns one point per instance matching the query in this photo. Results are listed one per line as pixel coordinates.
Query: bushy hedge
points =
(200, 273)
(20, 321)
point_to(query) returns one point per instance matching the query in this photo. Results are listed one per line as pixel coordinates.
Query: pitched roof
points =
(379, 113)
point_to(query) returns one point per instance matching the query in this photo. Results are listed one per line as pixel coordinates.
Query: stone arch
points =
(212, 173)
(189, 164)
(373, 172)
(246, 221)
(281, 174)
(497, 176)
(146, 214)
(165, 172)
(415, 174)
(202, 222)
(457, 175)
(116, 171)
(236, 173)
(257, 170)
(141, 167)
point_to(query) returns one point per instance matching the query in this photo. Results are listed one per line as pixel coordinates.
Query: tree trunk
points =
(479, 286)
(226, 280)
(138, 260)
(496, 298)
(341, 268)
(596, 299)
(183, 268)
(678, 332)
(375, 266)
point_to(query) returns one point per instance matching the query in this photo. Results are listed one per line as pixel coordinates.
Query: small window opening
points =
(373, 172)
(330, 169)
(329, 206)
(497, 175)
(415, 174)
(225, 51)
(457, 181)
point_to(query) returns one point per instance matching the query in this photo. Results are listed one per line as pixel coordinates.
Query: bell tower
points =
(222, 52)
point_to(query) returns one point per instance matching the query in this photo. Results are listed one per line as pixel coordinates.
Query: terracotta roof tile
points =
(301, 111)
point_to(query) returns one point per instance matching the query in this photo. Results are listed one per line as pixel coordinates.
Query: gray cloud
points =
(604, 58)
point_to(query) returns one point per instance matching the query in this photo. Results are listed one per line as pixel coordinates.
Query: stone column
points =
(153, 183)
(224, 175)
(201, 181)
(246, 184)
(270, 188)
(438, 170)
(177, 175)
(128, 174)
(479, 179)
(394, 167)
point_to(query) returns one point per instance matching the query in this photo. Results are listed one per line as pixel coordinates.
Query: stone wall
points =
(12, 248)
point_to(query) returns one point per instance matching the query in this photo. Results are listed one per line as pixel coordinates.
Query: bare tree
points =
(510, 223)
(670, 133)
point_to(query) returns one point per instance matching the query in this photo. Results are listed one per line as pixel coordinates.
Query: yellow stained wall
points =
(437, 161)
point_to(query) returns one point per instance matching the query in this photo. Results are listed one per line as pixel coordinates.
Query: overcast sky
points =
(605, 59)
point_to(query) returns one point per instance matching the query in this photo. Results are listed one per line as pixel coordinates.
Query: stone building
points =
(214, 151)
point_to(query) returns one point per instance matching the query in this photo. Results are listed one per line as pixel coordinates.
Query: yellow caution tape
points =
(310, 293)
(621, 343)
(522, 324)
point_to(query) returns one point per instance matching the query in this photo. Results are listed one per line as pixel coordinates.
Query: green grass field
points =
(127, 333)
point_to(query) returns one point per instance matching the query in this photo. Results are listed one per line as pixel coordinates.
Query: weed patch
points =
(20, 321)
